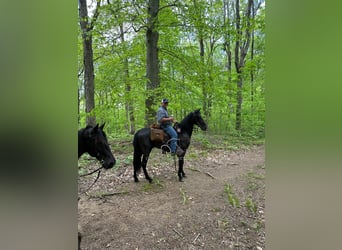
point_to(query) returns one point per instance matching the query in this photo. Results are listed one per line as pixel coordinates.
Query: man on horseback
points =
(165, 122)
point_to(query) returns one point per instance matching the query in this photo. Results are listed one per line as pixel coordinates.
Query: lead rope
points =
(98, 170)
(168, 147)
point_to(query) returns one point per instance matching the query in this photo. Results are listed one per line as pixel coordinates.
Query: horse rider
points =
(165, 121)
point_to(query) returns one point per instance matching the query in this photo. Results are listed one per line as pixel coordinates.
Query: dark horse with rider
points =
(176, 139)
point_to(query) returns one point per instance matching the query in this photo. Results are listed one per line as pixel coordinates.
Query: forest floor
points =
(220, 205)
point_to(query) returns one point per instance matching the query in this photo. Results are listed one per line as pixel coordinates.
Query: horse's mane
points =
(186, 124)
(186, 121)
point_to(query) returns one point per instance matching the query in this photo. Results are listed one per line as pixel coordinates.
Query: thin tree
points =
(128, 98)
(242, 44)
(87, 26)
(227, 47)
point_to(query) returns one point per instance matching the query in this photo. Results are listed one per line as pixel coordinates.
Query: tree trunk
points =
(202, 76)
(227, 48)
(252, 68)
(78, 106)
(89, 84)
(241, 49)
(128, 98)
(152, 62)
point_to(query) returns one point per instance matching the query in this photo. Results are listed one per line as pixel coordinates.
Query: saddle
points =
(157, 133)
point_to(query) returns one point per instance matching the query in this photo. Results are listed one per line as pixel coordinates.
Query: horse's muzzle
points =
(107, 164)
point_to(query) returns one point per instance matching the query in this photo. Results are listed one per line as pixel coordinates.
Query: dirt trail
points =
(194, 214)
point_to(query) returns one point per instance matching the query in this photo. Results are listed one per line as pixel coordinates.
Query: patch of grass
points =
(252, 185)
(128, 160)
(251, 206)
(82, 160)
(152, 187)
(147, 187)
(232, 197)
(252, 180)
(261, 166)
(183, 196)
(216, 209)
(193, 155)
(158, 183)
(81, 171)
(244, 223)
(232, 141)
(260, 141)
(256, 176)
(223, 223)
(257, 225)
(232, 147)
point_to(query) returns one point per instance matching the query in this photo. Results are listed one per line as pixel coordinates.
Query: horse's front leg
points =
(181, 173)
(143, 164)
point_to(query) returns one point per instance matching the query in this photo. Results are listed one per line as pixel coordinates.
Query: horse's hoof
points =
(184, 176)
(150, 180)
(181, 179)
(136, 180)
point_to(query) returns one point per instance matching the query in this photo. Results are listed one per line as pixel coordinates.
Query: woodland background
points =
(207, 54)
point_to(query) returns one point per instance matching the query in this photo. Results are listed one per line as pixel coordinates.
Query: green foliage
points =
(223, 223)
(252, 180)
(183, 196)
(155, 186)
(232, 197)
(251, 206)
(188, 80)
(128, 160)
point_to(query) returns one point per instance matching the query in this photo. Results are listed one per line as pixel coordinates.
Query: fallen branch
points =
(196, 238)
(180, 234)
(195, 170)
(210, 175)
(105, 195)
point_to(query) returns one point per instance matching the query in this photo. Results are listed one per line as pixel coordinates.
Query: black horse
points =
(143, 145)
(93, 140)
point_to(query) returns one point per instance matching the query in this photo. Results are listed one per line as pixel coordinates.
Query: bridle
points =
(98, 170)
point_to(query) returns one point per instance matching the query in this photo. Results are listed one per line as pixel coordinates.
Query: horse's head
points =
(198, 120)
(98, 146)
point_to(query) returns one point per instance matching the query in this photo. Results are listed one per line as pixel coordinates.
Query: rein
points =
(98, 169)
(97, 177)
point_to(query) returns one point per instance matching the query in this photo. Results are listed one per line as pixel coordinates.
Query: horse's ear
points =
(94, 130)
(102, 126)
(197, 110)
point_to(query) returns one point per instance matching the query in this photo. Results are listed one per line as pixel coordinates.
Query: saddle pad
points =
(157, 135)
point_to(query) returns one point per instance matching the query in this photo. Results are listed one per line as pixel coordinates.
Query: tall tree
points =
(227, 35)
(152, 61)
(252, 69)
(243, 31)
(128, 98)
(87, 26)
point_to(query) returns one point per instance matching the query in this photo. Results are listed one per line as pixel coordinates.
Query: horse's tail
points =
(137, 154)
